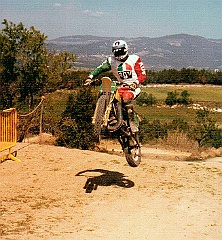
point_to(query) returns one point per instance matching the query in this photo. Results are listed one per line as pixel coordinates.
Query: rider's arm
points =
(105, 66)
(140, 70)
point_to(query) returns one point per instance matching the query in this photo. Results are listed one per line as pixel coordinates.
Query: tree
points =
(27, 69)
(58, 63)
(32, 64)
(23, 60)
(8, 73)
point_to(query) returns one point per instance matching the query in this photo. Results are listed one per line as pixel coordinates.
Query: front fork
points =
(127, 138)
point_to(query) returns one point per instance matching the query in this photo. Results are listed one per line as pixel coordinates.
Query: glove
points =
(133, 86)
(88, 81)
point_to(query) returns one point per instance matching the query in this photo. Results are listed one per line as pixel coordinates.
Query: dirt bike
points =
(111, 119)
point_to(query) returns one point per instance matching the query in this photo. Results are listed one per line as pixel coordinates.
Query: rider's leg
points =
(127, 97)
(131, 116)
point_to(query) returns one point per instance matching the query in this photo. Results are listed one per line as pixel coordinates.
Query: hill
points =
(173, 51)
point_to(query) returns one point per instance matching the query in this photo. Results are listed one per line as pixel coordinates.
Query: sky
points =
(116, 18)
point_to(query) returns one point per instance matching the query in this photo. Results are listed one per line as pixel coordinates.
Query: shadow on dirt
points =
(107, 178)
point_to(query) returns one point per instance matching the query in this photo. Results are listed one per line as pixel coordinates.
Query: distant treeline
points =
(73, 79)
(185, 75)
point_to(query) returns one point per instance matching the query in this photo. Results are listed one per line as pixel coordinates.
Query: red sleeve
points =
(140, 70)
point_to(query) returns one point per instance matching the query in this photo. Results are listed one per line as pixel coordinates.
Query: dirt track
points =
(165, 198)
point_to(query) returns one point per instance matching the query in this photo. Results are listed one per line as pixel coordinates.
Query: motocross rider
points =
(129, 70)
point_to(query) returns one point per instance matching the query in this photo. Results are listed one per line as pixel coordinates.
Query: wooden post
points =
(40, 121)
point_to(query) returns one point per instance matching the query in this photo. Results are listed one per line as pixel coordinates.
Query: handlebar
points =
(115, 81)
(90, 82)
(98, 80)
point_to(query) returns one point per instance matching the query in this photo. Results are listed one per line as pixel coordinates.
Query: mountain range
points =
(167, 52)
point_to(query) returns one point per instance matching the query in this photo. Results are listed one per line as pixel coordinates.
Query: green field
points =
(205, 95)
(198, 93)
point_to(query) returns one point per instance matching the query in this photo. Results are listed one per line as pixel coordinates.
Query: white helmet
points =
(120, 49)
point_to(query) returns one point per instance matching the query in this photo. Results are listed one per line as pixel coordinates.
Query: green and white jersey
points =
(129, 71)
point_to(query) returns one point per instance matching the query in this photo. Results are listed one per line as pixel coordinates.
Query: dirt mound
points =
(60, 193)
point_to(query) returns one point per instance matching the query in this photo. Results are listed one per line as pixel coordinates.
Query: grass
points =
(54, 106)
(168, 114)
(56, 101)
(198, 93)
(207, 95)
(154, 113)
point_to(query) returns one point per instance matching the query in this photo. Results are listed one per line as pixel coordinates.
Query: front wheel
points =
(132, 150)
(133, 156)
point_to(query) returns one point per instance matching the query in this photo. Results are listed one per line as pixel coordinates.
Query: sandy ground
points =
(56, 193)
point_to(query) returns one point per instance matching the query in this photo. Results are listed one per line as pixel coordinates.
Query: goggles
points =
(119, 51)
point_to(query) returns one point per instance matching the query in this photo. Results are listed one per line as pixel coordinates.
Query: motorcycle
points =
(111, 119)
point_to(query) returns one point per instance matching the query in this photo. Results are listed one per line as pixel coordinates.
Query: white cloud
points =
(94, 14)
(57, 4)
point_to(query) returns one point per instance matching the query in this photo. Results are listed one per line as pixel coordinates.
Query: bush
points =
(205, 131)
(76, 129)
(184, 98)
(152, 130)
(178, 124)
(172, 98)
(146, 99)
(156, 129)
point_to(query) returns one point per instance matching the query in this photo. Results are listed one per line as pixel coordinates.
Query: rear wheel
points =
(100, 110)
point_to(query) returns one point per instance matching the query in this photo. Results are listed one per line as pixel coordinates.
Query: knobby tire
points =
(99, 117)
(132, 153)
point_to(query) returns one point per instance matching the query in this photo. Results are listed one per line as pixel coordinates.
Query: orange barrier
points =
(8, 133)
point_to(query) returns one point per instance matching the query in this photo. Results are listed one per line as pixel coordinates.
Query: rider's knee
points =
(127, 96)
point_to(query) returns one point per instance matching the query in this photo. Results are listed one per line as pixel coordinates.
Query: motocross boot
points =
(132, 118)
